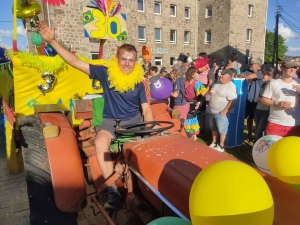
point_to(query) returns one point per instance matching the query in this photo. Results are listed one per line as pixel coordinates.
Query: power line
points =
(291, 16)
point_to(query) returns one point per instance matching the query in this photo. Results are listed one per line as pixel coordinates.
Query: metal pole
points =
(275, 51)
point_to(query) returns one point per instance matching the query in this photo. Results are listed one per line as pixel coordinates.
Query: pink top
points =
(202, 77)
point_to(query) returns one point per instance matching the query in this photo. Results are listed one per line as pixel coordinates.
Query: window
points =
(157, 32)
(207, 37)
(157, 8)
(208, 11)
(249, 32)
(173, 10)
(187, 37)
(158, 61)
(172, 59)
(187, 13)
(250, 10)
(94, 55)
(142, 34)
(173, 36)
(140, 4)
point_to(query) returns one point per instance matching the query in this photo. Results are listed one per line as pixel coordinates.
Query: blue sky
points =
(290, 10)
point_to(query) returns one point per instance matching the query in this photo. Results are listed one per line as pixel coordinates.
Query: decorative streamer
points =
(107, 7)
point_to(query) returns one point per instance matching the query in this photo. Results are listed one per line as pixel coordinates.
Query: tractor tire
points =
(42, 205)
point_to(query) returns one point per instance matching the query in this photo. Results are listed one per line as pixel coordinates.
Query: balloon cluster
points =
(27, 9)
(108, 7)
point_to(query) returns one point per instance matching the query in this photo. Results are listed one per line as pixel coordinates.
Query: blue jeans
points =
(219, 123)
(261, 121)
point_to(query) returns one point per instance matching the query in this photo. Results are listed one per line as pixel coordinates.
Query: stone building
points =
(170, 27)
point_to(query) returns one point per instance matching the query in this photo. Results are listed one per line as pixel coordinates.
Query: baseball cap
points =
(289, 62)
(229, 72)
(222, 63)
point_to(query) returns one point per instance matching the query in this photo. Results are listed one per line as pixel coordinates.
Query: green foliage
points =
(282, 48)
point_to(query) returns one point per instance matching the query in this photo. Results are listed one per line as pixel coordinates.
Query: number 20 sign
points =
(97, 25)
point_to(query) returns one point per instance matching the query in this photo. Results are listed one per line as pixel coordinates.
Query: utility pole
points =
(275, 49)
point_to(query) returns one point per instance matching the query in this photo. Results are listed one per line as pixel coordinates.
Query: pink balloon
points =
(161, 88)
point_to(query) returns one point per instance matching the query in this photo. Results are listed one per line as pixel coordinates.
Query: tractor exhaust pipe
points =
(141, 208)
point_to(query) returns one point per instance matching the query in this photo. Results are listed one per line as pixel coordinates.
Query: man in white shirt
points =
(223, 98)
(283, 99)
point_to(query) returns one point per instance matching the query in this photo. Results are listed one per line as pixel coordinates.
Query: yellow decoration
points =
(284, 159)
(123, 82)
(40, 63)
(230, 193)
(70, 84)
(6, 84)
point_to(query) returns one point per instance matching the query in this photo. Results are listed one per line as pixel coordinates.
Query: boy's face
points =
(126, 60)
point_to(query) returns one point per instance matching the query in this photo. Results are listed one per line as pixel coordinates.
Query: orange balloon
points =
(146, 52)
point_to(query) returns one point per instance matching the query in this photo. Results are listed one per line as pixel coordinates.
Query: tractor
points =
(154, 169)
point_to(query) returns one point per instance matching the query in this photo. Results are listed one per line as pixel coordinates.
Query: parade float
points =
(164, 178)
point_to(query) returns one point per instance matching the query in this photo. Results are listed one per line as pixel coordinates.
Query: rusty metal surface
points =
(83, 109)
(65, 164)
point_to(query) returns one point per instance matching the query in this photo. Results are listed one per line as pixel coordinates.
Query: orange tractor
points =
(154, 173)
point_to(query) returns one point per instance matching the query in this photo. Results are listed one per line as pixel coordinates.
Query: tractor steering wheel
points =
(141, 128)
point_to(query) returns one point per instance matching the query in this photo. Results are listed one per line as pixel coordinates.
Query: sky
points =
(287, 25)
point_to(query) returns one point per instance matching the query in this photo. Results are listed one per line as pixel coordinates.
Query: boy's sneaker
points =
(114, 199)
(213, 145)
(175, 114)
(219, 148)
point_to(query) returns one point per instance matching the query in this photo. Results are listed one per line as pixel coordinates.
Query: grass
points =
(243, 153)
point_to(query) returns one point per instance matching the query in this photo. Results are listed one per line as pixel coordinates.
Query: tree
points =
(269, 46)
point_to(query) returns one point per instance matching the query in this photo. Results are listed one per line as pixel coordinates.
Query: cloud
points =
(285, 32)
(293, 51)
(5, 33)
(21, 30)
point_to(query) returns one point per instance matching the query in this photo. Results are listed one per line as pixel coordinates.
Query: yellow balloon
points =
(230, 193)
(284, 159)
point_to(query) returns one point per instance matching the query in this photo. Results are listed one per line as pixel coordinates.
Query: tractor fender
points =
(65, 164)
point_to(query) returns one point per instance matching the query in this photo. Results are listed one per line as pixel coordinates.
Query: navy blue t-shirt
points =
(118, 105)
(179, 86)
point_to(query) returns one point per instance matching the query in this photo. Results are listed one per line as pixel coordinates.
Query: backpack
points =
(189, 93)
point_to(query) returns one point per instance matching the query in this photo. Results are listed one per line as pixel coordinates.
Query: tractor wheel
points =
(38, 176)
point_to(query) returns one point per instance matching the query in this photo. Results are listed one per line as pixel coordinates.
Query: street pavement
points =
(14, 207)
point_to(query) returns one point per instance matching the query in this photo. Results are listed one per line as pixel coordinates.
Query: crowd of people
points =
(272, 95)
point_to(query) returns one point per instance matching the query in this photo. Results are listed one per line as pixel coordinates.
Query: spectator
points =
(146, 65)
(223, 98)
(194, 92)
(232, 63)
(234, 72)
(175, 60)
(202, 67)
(254, 78)
(280, 95)
(184, 59)
(219, 70)
(297, 59)
(178, 91)
(152, 75)
(189, 58)
(261, 114)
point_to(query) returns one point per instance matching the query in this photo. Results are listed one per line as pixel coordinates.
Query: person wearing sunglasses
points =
(254, 78)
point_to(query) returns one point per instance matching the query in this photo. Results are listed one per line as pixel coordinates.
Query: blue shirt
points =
(255, 86)
(179, 86)
(118, 105)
